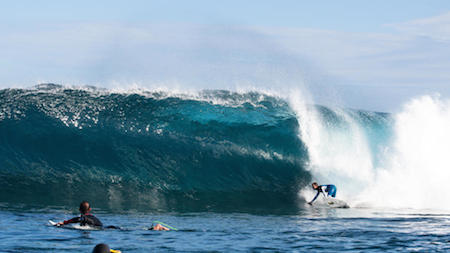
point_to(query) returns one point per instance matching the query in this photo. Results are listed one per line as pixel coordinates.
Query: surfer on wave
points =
(330, 189)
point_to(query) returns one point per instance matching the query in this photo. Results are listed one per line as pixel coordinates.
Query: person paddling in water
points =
(329, 188)
(158, 227)
(85, 218)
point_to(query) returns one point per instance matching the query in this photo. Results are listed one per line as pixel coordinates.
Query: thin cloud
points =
(436, 28)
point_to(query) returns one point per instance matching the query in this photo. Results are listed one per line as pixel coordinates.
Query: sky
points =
(372, 55)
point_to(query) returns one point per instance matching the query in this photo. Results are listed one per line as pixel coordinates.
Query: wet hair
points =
(101, 248)
(315, 183)
(84, 207)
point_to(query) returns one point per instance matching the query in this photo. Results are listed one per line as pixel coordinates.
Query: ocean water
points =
(311, 229)
(231, 170)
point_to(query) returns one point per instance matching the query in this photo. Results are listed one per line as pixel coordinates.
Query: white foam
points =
(414, 169)
(337, 154)
(417, 169)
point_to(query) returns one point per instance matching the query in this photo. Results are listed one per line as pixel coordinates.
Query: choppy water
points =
(312, 229)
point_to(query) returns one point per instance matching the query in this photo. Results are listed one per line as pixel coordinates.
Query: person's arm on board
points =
(73, 220)
(315, 197)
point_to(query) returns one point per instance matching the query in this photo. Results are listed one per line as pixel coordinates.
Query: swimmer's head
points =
(85, 207)
(315, 185)
(101, 248)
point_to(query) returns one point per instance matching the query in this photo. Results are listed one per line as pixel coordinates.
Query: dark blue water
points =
(312, 229)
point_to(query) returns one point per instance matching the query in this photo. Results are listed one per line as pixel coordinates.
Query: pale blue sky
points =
(345, 15)
(365, 54)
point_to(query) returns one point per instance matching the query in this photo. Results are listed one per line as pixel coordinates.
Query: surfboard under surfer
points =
(330, 189)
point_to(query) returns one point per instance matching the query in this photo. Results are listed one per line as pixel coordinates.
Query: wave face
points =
(215, 150)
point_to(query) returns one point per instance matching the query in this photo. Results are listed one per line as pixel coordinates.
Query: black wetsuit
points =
(85, 219)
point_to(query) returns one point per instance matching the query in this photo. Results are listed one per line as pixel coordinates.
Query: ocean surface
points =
(310, 229)
(231, 170)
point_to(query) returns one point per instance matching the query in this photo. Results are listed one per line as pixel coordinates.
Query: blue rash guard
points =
(329, 188)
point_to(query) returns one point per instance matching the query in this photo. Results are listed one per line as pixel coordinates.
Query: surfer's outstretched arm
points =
(315, 197)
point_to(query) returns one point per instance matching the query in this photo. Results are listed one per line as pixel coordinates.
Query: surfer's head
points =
(85, 207)
(315, 185)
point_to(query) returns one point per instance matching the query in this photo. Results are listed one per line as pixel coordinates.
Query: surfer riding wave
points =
(330, 189)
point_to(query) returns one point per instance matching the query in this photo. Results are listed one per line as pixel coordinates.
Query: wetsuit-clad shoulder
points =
(85, 219)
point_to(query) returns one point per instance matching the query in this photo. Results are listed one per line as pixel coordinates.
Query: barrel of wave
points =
(338, 148)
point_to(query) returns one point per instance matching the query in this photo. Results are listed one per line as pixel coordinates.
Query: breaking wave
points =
(216, 150)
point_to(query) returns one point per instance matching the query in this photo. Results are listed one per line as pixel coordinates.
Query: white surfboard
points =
(330, 202)
(72, 226)
(53, 223)
(336, 203)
